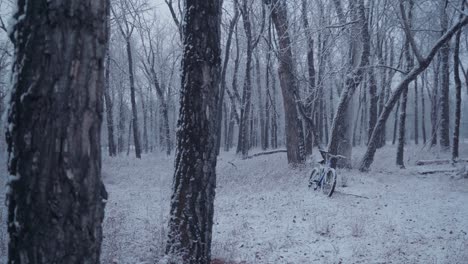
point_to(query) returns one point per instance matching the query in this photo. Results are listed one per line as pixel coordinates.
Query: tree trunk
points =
(416, 112)
(340, 140)
(404, 98)
(423, 109)
(401, 130)
(56, 197)
(261, 109)
(145, 123)
(311, 78)
(294, 140)
(395, 124)
(456, 76)
(373, 101)
(122, 120)
(136, 132)
(243, 144)
(192, 202)
(109, 112)
(435, 104)
(444, 128)
(222, 89)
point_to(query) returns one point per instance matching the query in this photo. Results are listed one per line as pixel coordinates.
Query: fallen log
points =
(439, 162)
(266, 153)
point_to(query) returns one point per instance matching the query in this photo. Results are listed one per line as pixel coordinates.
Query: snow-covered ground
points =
(266, 214)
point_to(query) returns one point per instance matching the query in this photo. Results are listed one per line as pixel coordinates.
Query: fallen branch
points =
(350, 194)
(266, 153)
(437, 171)
(438, 162)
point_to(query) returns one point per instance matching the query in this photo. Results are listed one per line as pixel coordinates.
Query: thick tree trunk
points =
(136, 131)
(192, 202)
(109, 113)
(293, 129)
(56, 197)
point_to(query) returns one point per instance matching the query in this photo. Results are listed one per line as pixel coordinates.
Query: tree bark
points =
(423, 109)
(416, 112)
(243, 144)
(56, 198)
(444, 128)
(458, 85)
(293, 126)
(136, 131)
(192, 202)
(404, 98)
(435, 103)
(109, 113)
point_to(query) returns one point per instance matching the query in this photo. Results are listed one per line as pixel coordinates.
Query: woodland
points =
(187, 131)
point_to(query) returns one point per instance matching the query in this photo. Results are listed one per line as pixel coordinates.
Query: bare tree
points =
(126, 22)
(286, 71)
(423, 63)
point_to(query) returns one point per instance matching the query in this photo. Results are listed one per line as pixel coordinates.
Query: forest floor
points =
(265, 213)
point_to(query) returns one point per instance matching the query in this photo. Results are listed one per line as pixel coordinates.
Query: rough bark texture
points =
(56, 197)
(294, 134)
(192, 202)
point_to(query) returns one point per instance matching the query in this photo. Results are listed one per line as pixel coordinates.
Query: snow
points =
(265, 213)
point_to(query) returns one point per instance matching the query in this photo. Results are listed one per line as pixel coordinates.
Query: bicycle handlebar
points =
(326, 154)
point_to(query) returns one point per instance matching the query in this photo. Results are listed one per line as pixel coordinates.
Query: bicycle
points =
(324, 176)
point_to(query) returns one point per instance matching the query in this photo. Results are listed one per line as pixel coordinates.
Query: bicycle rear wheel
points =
(329, 182)
(314, 178)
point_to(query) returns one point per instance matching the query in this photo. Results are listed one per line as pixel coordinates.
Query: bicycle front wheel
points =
(329, 182)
